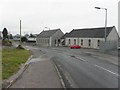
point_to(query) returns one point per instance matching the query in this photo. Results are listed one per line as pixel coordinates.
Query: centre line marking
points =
(107, 70)
(80, 59)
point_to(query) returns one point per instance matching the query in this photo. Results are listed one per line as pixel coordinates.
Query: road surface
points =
(83, 70)
(80, 68)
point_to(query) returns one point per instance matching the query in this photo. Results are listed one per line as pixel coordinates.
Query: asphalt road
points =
(83, 70)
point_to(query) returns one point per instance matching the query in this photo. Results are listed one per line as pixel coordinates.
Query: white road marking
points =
(107, 70)
(77, 58)
(80, 59)
(87, 52)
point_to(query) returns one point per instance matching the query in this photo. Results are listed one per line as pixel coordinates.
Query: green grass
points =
(12, 59)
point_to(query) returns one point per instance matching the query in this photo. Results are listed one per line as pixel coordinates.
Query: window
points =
(98, 42)
(58, 40)
(81, 41)
(74, 41)
(69, 41)
(89, 42)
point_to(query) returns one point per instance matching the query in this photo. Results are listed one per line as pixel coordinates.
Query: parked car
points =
(75, 47)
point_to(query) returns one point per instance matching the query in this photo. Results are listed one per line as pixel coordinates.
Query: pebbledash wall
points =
(112, 40)
(93, 43)
(45, 38)
(43, 41)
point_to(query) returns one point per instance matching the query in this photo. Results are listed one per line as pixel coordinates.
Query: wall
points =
(94, 42)
(112, 39)
(113, 36)
(43, 41)
(108, 45)
(56, 36)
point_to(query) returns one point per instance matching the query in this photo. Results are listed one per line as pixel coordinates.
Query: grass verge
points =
(12, 59)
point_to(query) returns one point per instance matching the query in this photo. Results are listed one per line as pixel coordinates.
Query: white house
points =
(49, 38)
(93, 38)
(32, 38)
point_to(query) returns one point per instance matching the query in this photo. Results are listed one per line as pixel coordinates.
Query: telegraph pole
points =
(20, 34)
(20, 45)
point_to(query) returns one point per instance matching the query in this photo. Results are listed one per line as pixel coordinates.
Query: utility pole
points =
(20, 45)
(20, 33)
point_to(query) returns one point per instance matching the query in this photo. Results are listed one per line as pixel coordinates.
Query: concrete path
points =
(41, 73)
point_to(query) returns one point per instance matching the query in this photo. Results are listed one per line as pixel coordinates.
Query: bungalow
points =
(49, 37)
(93, 38)
(32, 38)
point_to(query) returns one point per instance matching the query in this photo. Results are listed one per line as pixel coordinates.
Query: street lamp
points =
(105, 21)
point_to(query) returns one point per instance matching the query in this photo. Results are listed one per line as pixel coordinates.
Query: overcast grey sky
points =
(63, 14)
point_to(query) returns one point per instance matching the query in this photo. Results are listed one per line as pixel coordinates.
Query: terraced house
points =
(49, 37)
(93, 38)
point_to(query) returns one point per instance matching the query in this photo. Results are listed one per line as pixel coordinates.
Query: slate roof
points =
(65, 35)
(90, 32)
(47, 34)
(33, 36)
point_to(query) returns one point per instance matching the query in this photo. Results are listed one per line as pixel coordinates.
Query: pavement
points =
(39, 75)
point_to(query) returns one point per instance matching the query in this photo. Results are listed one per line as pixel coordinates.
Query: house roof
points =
(33, 36)
(90, 32)
(47, 34)
(64, 35)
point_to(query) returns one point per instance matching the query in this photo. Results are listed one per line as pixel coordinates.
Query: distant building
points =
(49, 38)
(93, 38)
(16, 37)
(63, 39)
(32, 38)
(1, 35)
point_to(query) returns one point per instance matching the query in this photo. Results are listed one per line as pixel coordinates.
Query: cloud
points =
(64, 14)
